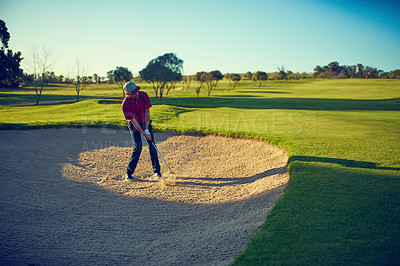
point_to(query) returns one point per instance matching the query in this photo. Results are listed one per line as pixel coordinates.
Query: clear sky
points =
(232, 36)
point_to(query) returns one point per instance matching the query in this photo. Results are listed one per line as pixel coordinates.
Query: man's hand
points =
(147, 134)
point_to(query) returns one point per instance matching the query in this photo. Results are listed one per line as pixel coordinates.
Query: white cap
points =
(131, 87)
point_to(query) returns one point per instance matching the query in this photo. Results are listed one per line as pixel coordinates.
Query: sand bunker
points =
(207, 169)
(63, 200)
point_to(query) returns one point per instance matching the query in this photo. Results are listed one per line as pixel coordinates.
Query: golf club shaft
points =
(161, 156)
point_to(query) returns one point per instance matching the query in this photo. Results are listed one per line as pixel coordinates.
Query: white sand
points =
(63, 198)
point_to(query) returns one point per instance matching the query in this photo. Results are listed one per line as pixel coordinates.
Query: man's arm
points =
(139, 128)
(147, 118)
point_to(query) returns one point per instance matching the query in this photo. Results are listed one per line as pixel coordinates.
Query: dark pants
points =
(137, 149)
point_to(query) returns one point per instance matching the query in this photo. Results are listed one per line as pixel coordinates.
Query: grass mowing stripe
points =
(310, 133)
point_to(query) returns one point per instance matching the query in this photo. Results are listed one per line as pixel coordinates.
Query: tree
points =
(395, 74)
(282, 73)
(385, 75)
(97, 78)
(208, 83)
(120, 75)
(80, 80)
(171, 84)
(260, 76)
(161, 70)
(318, 70)
(291, 75)
(60, 79)
(248, 75)
(212, 79)
(187, 80)
(4, 34)
(39, 63)
(10, 72)
(200, 77)
(334, 70)
(235, 78)
(351, 71)
(334, 67)
(360, 71)
(228, 76)
(371, 72)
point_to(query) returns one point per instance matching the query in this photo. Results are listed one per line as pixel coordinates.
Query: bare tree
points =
(80, 79)
(229, 76)
(190, 79)
(39, 63)
(187, 79)
(170, 85)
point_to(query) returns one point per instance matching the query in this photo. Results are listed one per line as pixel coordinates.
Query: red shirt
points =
(134, 108)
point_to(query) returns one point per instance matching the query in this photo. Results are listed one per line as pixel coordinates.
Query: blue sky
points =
(231, 36)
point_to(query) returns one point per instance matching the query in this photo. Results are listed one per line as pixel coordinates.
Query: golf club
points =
(170, 170)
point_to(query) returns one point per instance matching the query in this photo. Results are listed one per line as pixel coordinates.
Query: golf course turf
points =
(342, 202)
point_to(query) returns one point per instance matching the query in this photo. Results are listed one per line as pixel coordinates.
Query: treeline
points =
(260, 76)
(336, 71)
(163, 72)
(51, 77)
(332, 70)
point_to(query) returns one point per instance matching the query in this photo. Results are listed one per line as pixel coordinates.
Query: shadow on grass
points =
(209, 182)
(30, 99)
(110, 101)
(261, 91)
(283, 103)
(32, 88)
(342, 162)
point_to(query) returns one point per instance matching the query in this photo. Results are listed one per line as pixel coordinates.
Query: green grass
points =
(63, 92)
(342, 203)
(331, 214)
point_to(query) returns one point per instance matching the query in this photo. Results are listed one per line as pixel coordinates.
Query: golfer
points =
(136, 108)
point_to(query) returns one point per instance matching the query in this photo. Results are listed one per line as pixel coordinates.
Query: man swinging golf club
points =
(136, 108)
